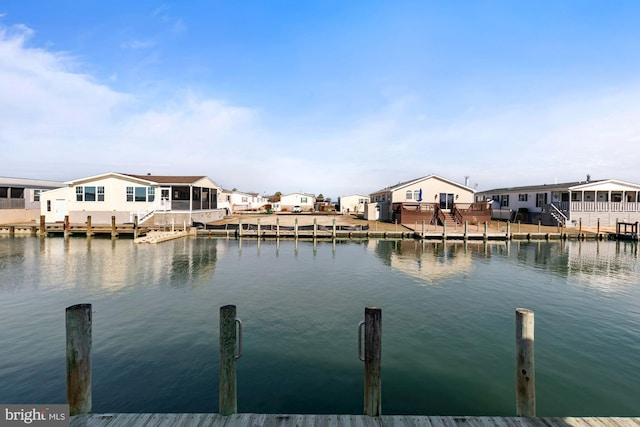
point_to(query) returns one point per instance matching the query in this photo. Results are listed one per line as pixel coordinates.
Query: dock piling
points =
(78, 325)
(67, 226)
(114, 233)
(42, 225)
(372, 360)
(88, 225)
(228, 396)
(525, 366)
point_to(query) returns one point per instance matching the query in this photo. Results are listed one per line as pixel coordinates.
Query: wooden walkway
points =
(276, 420)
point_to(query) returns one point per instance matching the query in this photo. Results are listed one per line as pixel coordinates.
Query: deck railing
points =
(598, 206)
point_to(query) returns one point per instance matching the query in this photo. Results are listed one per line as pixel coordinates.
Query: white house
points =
(426, 193)
(237, 201)
(153, 199)
(289, 201)
(588, 202)
(20, 198)
(354, 203)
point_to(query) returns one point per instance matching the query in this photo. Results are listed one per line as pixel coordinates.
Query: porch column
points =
(190, 198)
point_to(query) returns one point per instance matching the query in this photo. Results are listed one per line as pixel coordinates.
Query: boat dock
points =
(281, 420)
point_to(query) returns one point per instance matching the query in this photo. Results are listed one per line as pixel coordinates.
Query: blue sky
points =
(332, 97)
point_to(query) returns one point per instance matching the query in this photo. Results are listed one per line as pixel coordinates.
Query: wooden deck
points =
(278, 420)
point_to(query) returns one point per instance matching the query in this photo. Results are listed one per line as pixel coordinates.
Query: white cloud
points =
(58, 122)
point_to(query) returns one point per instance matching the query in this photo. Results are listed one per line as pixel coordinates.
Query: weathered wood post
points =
(295, 228)
(228, 397)
(135, 226)
(444, 230)
(518, 226)
(42, 225)
(539, 223)
(114, 233)
(422, 228)
(239, 227)
(598, 228)
(258, 221)
(334, 228)
(78, 325)
(466, 226)
(484, 234)
(396, 225)
(278, 227)
(89, 226)
(508, 229)
(372, 360)
(315, 228)
(525, 366)
(67, 226)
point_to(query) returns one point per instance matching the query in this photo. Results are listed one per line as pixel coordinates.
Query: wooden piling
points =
(508, 229)
(278, 227)
(67, 226)
(114, 233)
(295, 228)
(372, 361)
(78, 324)
(315, 228)
(466, 227)
(258, 222)
(422, 228)
(444, 230)
(525, 366)
(334, 229)
(484, 234)
(239, 227)
(89, 226)
(228, 399)
(42, 225)
(135, 226)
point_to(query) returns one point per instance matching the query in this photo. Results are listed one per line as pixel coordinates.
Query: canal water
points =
(447, 313)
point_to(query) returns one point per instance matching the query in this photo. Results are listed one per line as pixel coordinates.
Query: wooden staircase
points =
(450, 219)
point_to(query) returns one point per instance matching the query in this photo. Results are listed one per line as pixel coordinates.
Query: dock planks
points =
(280, 420)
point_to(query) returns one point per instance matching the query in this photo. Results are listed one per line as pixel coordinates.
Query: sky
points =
(332, 97)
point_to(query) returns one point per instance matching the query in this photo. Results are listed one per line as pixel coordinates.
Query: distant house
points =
(287, 202)
(570, 203)
(237, 201)
(430, 198)
(152, 199)
(20, 198)
(354, 203)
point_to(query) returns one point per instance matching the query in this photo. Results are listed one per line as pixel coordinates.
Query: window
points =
(523, 197)
(141, 194)
(17, 193)
(48, 205)
(362, 200)
(79, 194)
(409, 195)
(495, 198)
(4, 192)
(101, 194)
(505, 200)
(89, 194)
(151, 194)
(129, 194)
(244, 200)
(416, 195)
(36, 195)
(541, 199)
(303, 200)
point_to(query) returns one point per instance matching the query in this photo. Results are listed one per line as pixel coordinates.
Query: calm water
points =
(447, 309)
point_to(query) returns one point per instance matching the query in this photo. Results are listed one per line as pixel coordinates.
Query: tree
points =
(320, 198)
(275, 197)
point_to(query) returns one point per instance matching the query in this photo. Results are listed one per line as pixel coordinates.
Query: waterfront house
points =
(588, 202)
(234, 201)
(353, 203)
(20, 198)
(153, 199)
(431, 198)
(288, 202)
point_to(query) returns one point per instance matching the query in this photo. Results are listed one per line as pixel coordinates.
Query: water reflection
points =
(606, 265)
(430, 262)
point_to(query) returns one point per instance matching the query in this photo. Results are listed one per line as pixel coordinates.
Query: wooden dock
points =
(280, 420)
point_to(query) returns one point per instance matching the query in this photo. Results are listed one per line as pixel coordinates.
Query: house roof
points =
(413, 181)
(168, 179)
(32, 183)
(540, 187)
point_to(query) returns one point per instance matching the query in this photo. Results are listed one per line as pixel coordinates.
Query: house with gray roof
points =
(20, 198)
(588, 202)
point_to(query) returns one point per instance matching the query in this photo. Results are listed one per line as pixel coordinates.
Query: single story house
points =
(353, 203)
(153, 199)
(237, 201)
(431, 198)
(287, 202)
(20, 198)
(588, 202)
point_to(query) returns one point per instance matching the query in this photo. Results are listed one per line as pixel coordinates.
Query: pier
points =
(369, 344)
